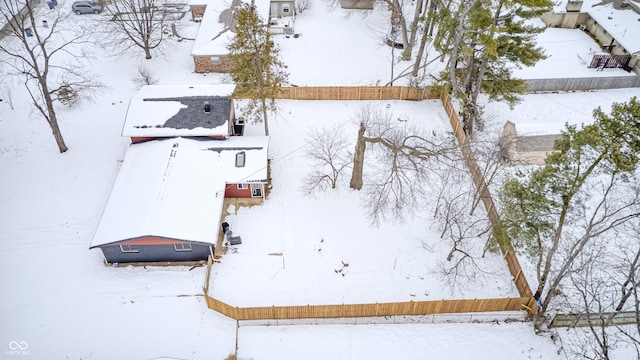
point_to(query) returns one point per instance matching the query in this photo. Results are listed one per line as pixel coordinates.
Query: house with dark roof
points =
(160, 111)
(186, 157)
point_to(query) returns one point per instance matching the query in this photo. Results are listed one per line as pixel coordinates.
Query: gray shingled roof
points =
(193, 115)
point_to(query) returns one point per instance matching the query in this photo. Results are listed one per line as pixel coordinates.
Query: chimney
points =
(207, 107)
(574, 5)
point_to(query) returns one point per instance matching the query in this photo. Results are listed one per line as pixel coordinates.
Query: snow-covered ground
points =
(295, 246)
(60, 302)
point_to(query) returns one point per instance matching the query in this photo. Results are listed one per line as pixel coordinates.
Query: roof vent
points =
(207, 107)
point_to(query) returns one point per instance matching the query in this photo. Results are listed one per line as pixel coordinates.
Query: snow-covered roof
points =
(622, 24)
(174, 188)
(178, 110)
(217, 25)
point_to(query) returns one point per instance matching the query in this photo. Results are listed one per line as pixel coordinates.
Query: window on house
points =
(128, 249)
(243, 186)
(215, 59)
(240, 159)
(182, 247)
(285, 8)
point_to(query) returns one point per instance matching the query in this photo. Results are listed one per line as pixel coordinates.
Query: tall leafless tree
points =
(403, 154)
(141, 23)
(45, 57)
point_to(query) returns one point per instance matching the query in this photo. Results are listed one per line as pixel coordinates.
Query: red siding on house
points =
(232, 191)
(137, 139)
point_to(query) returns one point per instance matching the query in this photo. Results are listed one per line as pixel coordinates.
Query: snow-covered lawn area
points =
(59, 298)
(295, 246)
(547, 113)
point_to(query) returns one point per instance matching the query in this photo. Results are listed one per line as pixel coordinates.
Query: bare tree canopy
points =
(401, 156)
(142, 23)
(328, 151)
(44, 52)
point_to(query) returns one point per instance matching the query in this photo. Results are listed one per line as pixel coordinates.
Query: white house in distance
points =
(217, 26)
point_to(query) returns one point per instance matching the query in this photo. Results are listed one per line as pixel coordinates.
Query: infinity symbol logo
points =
(15, 345)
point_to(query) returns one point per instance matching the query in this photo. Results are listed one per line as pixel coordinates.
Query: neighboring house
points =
(217, 26)
(166, 203)
(282, 16)
(615, 24)
(158, 111)
(527, 149)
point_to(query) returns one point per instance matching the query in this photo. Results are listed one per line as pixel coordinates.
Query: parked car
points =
(86, 7)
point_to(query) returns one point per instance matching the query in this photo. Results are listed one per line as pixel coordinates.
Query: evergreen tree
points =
(484, 39)
(256, 68)
(586, 190)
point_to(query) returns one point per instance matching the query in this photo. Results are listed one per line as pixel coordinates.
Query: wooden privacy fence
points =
(356, 93)
(524, 302)
(498, 231)
(368, 310)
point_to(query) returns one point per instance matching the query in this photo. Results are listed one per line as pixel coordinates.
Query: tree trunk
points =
(358, 160)
(423, 45)
(52, 118)
(58, 135)
(408, 48)
(147, 53)
(265, 117)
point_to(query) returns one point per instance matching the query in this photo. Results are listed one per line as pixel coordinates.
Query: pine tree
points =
(256, 68)
(584, 193)
(484, 39)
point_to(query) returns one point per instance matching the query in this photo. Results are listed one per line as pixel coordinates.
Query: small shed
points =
(166, 203)
(158, 111)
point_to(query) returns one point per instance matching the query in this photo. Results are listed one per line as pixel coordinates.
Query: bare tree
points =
(460, 226)
(141, 23)
(143, 76)
(403, 154)
(302, 5)
(45, 57)
(327, 149)
(604, 282)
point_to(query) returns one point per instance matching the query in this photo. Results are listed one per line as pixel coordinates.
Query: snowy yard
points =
(295, 246)
(61, 300)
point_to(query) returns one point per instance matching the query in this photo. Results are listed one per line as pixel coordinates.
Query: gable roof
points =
(174, 188)
(178, 110)
(217, 26)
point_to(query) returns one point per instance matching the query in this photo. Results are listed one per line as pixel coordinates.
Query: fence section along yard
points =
(524, 302)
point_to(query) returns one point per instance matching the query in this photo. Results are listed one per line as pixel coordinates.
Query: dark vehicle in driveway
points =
(86, 7)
